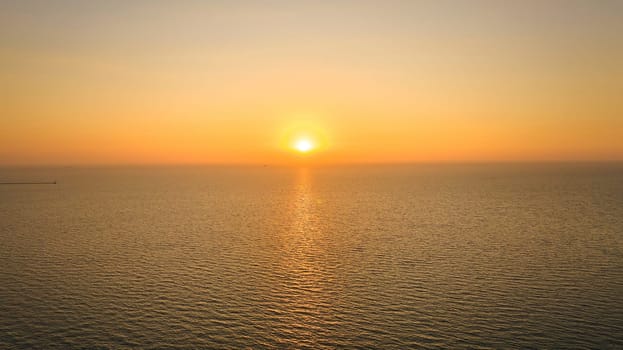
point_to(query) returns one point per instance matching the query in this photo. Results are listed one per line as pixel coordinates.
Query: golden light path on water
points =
(308, 301)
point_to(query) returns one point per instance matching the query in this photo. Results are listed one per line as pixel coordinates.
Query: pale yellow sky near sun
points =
(369, 81)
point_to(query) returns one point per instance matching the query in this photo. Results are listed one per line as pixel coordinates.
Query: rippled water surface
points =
(346, 257)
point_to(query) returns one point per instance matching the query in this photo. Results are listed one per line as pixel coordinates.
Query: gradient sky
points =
(90, 82)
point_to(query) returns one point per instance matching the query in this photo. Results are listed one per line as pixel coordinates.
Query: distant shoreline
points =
(29, 183)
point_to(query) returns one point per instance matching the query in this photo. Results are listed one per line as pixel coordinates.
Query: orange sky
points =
(105, 82)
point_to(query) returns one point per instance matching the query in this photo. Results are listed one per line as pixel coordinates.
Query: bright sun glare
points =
(304, 145)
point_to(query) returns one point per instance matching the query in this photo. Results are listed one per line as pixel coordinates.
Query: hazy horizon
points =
(306, 164)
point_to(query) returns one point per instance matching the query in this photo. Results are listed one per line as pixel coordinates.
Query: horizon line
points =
(310, 164)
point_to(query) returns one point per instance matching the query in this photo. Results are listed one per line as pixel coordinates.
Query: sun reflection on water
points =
(307, 300)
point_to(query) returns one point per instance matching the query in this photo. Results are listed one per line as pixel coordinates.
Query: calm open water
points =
(426, 256)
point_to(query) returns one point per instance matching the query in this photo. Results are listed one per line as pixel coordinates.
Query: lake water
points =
(392, 257)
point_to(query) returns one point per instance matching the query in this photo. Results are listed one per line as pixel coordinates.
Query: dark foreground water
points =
(513, 256)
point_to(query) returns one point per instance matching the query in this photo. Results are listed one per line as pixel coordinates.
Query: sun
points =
(304, 145)
(302, 140)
